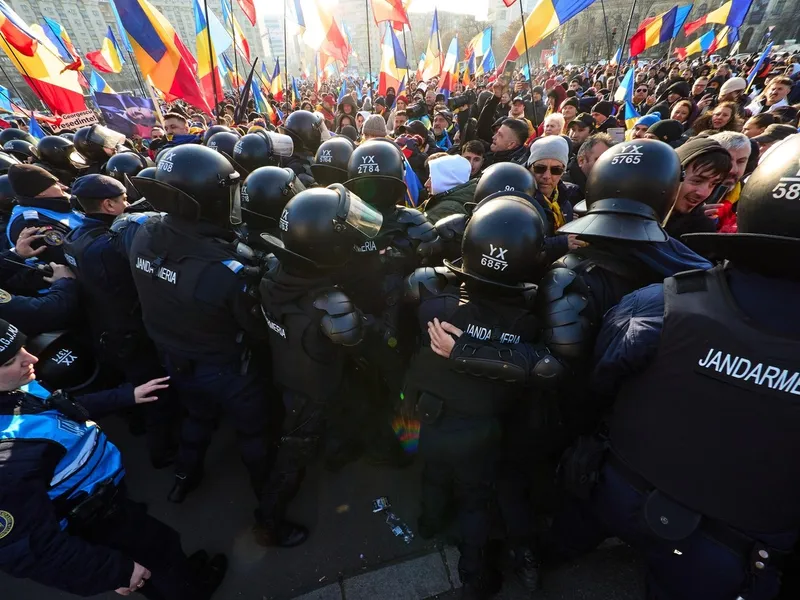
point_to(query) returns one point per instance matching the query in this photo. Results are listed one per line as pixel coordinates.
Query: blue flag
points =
(413, 185)
(5, 99)
(343, 91)
(760, 62)
(35, 130)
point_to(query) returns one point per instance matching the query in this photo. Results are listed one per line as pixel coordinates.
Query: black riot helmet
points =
(55, 150)
(504, 177)
(330, 162)
(194, 182)
(223, 141)
(148, 172)
(321, 227)
(125, 163)
(22, 150)
(95, 143)
(213, 130)
(265, 193)
(261, 149)
(768, 217)
(68, 135)
(66, 362)
(629, 192)
(306, 129)
(503, 245)
(6, 195)
(376, 171)
(6, 160)
(12, 133)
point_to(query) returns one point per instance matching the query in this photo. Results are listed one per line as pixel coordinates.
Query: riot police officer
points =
(6, 161)
(331, 160)
(264, 195)
(97, 254)
(20, 149)
(309, 320)
(53, 153)
(705, 397)
(223, 141)
(260, 149)
(42, 202)
(125, 164)
(190, 283)
(486, 295)
(14, 133)
(94, 145)
(68, 523)
(307, 131)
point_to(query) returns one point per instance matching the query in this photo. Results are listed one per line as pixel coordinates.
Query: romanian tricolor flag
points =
(276, 87)
(98, 84)
(249, 9)
(701, 44)
(390, 10)
(207, 71)
(160, 53)
(393, 63)
(732, 14)
(449, 78)
(544, 19)
(230, 22)
(433, 55)
(322, 33)
(726, 37)
(46, 74)
(236, 81)
(487, 65)
(15, 32)
(295, 94)
(109, 58)
(659, 29)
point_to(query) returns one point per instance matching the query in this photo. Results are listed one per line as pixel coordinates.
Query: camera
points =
(464, 99)
(417, 110)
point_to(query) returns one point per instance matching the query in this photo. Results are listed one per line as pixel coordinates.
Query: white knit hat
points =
(374, 126)
(550, 146)
(447, 172)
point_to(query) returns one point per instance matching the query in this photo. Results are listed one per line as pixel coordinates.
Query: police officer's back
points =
(487, 296)
(307, 131)
(264, 195)
(66, 521)
(704, 370)
(195, 306)
(310, 322)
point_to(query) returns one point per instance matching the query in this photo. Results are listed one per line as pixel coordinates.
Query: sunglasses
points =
(643, 90)
(542, 169)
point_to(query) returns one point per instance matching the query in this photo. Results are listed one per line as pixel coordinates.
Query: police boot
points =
(183, 486)
(527, 569)
(284, 535)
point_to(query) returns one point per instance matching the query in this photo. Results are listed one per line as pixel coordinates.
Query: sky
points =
(478, 8)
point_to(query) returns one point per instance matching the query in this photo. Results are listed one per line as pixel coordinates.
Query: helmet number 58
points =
(784, 190)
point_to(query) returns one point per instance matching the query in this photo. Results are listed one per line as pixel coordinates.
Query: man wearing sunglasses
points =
(548, 161)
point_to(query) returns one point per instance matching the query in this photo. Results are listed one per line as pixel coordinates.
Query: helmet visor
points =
(234, 184)
(324, 132)
(356, 213)
(281, 144)
(105, 137)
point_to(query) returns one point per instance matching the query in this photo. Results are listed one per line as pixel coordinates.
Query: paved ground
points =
(351, 555)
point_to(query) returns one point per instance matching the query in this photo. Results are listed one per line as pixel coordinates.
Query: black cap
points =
(518, 99)
(97, 187)
(417, 128)
(11, 340)
(604, 107)
(775, 132)
(380, 101)
(583, 120)
(667, 130)
(30, 180)
(697, 147)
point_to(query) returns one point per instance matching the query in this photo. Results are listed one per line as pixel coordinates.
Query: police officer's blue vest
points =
(69, 219)
(89, 459)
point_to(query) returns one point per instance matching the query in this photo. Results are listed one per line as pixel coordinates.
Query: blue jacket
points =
(631, 332)
(58, 309)
(33, 541)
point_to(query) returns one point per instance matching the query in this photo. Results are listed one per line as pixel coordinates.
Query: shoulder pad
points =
(563, 299)
(452, 227)
(126, 219)
(342, 322)
(427, 281)
(410, 216)
(570, 260)
(271, 261)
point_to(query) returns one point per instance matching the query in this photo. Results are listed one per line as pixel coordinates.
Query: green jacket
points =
(450, 202)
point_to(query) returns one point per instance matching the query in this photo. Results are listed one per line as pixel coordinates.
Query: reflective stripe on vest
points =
(89, 458)
(70, 218)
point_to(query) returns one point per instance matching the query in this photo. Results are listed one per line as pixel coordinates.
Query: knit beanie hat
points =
(667, 130)
(550, 146)
(374, 126)
(30, 180)
(649, 120)
(447, 172)
(603, 107)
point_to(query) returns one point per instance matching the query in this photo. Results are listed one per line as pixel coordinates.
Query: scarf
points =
(558, 216)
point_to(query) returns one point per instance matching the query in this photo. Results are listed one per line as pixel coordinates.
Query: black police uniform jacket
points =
(482, 314)
(714, 421)
(304, 359)
(192, 289)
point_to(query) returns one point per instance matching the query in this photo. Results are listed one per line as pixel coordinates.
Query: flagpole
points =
(439, 39)
(369, 50)
(211, 59)
(136, 72)
(285, 51)
(405, 45)
(156, 105)
(525, 39)
(605, 24)
(233, 37)
(622, 53)
(61, 42)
